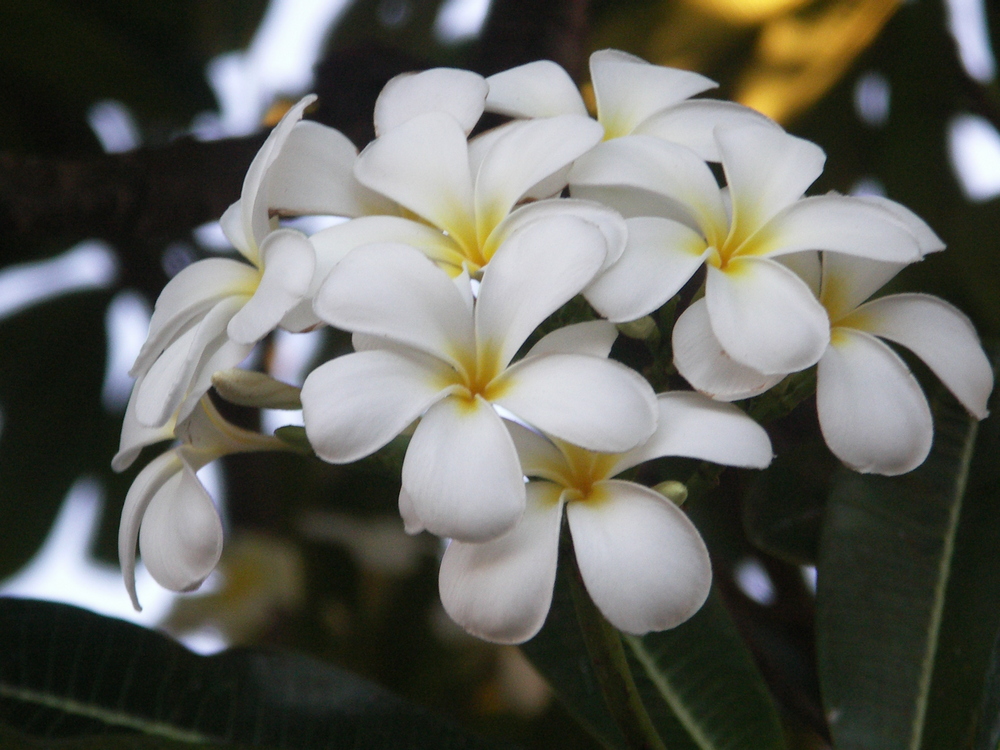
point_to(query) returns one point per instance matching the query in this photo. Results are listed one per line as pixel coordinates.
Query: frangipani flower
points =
(168, 511)
(429, 350)
(872, 412)
(642, 561)
(463, 195)
(210, 315)
(633, 97)
(762, 314)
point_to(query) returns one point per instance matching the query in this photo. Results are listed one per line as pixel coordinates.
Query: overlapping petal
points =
(180, 539)
(459, 93)
(660, 257)
(765, 316)
(314, 174)
(598, 404)
(649, 164)
(701, 360)
(840, 223)
(136, 436)
(149, 481)
(396, 292)
(593, 337)
(643, 562)
(169, 378)
(524, 156)
(766, 170)
(536, 89)
(609, 221)
(355, 404)
(692, 124)
(872, 413)
(532, 275)
(187, 297)
(501, 590)
(694, 426)
(423, 164)
(941, 335)
(462, 473)
(288, 261)
(628, 89)
(253, 203)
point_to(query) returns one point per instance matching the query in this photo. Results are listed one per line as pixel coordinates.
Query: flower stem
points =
(607, 657)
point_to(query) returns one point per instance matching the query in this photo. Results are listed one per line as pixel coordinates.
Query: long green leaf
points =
(698, 681)
(66, 673)
(906, 603)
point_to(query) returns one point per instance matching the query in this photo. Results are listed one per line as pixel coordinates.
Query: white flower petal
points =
(167, 382)
(356, 403)
(701, 360)
(423, 165)
(643, 562)
(941, 335)
(535, 272)
(289, 260)
(148, 482)
(459, 93)
(593, 337)
(928, 241)
(848, 280)
(539, 456)
(766, 170)
(609, 221)
(333, 243)
(807, 267)
(872, 413)
(254, 199)
(524, 156)
(765, 316)
(840, 223)
(628, 90)
(501, 590)
(695, 426)
(462, 473)
(187, 297)
(180, 539)
(411, 522)
(396, 292)
(598, 404)
(231, 223)
(660, 256)
(314, 174)
(648, 164)
(136, 436)
(692, 124)
(537, 89)
(221, 353)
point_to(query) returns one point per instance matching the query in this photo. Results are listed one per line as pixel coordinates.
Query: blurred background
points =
(125, 131)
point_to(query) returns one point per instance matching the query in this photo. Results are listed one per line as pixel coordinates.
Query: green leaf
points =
(69, 673)
(698, 681)
(54, 428)
(988, 736)
(907, 592)
(784, 506)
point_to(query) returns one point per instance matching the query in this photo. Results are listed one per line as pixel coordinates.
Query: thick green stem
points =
(607, 655)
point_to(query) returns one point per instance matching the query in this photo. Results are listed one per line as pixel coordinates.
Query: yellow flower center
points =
(584, 472)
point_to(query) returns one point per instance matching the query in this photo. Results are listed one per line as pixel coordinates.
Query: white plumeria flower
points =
(209, 316)
(168, 511)
(764, 316)
(432, 351)
(642, 561)
(872, 412)
(633, 97)
(461, 198)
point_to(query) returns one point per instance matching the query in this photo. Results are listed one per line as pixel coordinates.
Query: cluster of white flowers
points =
(455, 249)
